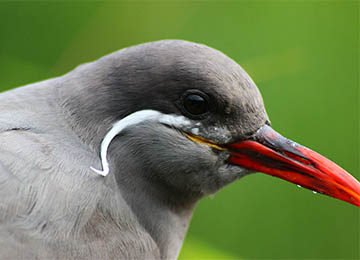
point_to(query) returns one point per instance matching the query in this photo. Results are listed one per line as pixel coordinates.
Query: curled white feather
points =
(133, 119)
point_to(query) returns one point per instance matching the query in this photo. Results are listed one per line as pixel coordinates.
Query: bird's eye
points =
(195, 104)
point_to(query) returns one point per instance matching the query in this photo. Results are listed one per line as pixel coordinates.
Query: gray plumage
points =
(52, 206)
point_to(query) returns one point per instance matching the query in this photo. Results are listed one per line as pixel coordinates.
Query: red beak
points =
(273, 154)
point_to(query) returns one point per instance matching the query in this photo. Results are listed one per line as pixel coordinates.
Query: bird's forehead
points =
(199, 66)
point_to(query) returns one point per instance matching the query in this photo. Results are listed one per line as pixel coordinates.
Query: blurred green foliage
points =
(303, 55)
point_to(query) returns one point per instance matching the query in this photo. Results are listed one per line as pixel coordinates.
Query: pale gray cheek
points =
(167, 155)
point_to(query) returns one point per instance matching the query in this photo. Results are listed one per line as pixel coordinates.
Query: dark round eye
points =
(196, 105)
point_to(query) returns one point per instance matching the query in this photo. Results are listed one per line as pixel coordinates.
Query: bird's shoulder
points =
(46, 191)
(41, 161)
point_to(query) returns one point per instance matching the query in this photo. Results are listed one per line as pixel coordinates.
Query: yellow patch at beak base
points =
(200, 140)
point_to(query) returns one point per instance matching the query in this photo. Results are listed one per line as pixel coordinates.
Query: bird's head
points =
(191, 119)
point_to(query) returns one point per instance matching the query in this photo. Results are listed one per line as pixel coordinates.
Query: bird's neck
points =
(166, 224)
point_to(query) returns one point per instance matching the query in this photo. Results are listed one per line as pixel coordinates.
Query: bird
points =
(110, 160)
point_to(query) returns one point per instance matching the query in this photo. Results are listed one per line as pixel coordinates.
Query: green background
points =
(304, 57)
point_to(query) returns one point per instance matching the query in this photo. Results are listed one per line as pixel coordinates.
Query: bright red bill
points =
(271, 153)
